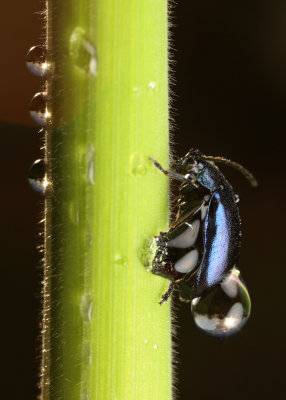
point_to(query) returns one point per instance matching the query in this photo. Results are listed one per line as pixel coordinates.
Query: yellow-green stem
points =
(104, 335)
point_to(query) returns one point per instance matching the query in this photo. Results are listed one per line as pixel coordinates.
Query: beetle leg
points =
(172, 174)
(166, 295)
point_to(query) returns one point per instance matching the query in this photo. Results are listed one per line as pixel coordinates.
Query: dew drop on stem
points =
(83, 52)
(37, 176)
(36, 61)
(38, 108)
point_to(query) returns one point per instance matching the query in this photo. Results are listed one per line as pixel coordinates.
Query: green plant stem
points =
(104, 335)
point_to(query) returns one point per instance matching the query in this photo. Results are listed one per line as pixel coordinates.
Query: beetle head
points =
(191, 163)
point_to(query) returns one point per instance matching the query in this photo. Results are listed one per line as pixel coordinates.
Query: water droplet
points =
(74, 213)
(120, 260)
(83, 52)
(138, 164)
(146, 341)
(86, 352)
(155, 347)
(37, 176)
(236, 198)
(147, 252)
(38, 108)
(90, 166)
(87, 306)
(224, 310)
(88, 236)
(36, 60)
(151, 86)
(84, 395)
(136, 90)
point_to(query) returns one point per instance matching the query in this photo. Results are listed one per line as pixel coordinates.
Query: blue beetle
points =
(199, 253)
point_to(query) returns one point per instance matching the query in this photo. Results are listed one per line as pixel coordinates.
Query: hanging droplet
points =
(36, 60)
(224, 310)
(37, 176)
(38, 108)
(83, 52)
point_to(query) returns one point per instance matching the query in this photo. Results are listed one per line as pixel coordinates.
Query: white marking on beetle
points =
(187, 238)
(188, 262)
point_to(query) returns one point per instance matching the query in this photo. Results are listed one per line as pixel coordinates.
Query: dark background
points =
(230, 100)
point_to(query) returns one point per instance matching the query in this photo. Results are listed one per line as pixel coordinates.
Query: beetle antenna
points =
(248, 175)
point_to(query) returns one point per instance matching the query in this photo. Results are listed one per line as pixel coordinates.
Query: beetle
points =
(200, 250)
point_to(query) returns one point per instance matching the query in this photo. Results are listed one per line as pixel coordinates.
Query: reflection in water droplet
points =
(151, 86)
(155, 347)
(224, 310)
(120, 260)
(37, 176)
(38, 108)
(86, 306)
(83, 52)
(36, 60)
(138, 164)
(236, 198)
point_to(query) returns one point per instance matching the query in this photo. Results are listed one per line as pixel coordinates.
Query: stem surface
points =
(104, 335)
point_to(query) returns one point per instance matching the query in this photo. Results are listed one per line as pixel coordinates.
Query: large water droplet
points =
(37, 176)
(36, 60)
(224, 310)
(83, 52)
(38, 108)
